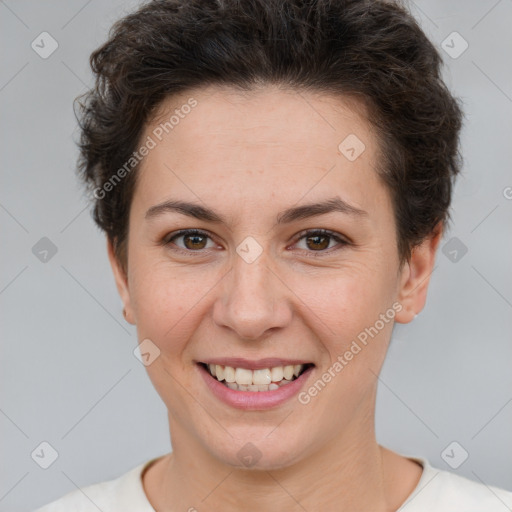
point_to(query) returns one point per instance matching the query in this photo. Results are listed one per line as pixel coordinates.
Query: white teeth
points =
(265, 379)
(257, 387)
(229, 374)
(219, 372)
(262, 376)
(243, 376)
(277, 373)
(288, 372)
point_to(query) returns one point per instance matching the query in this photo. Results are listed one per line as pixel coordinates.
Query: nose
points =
(253, 301)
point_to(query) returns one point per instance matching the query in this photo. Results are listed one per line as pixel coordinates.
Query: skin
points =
(248, 157)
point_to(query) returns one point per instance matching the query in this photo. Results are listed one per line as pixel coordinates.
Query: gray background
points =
(68, 373)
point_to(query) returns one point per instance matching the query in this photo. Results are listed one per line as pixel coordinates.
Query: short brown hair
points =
(371, 49)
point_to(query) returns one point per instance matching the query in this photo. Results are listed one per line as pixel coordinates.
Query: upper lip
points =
(254, 364)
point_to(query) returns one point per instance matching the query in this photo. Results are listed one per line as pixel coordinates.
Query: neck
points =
(349, 472)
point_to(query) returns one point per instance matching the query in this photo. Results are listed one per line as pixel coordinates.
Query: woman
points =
(274, 179)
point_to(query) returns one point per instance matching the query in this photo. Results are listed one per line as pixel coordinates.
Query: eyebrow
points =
(335, 204)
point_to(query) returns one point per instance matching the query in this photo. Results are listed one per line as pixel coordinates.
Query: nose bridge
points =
(250, 303)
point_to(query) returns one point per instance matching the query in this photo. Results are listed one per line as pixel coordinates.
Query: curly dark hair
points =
(373, 50)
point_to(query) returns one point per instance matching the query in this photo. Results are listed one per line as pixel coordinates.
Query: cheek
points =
(346, 300)
(355, 338)
(166, 303)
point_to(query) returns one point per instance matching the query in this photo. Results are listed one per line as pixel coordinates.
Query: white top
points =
(437, 490)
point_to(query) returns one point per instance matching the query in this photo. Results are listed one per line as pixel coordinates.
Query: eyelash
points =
(304, 234)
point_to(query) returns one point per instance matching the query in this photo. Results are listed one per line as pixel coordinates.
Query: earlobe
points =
(415, 277)
(121, 280)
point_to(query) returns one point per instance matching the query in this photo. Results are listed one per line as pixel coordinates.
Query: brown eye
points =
(193, 240)
(319, 240)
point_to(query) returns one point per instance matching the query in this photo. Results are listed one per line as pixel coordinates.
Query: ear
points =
(415, 277)
(121, 282)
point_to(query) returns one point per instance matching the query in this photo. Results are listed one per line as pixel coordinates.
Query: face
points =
(265, 283)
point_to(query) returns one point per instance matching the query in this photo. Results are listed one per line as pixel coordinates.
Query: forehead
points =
(263, 143)
(270, 115)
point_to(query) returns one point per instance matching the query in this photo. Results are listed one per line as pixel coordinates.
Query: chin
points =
(257, 449)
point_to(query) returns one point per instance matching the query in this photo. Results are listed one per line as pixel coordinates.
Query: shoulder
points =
(124, 493)
(444, 491)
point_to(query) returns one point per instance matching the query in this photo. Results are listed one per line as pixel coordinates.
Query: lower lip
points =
(255, 400)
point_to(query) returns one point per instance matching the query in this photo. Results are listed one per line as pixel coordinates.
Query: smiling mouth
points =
(265, 379)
